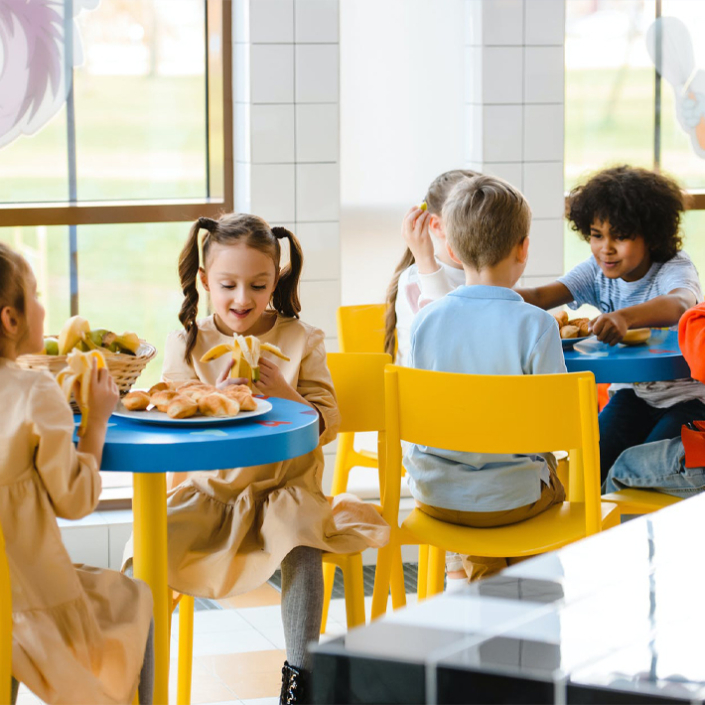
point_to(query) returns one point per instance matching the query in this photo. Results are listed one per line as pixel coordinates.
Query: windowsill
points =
(114, 498)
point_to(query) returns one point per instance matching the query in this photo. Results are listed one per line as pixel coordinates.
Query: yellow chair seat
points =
(640, 501)
(554, 528)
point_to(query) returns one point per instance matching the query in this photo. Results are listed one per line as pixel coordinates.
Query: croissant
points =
(136, 401)
(584, 329)
(561, 318)
(569, 332)
(218, 405)
(161, 399)
(181, 407)
(242, 394)
(197, 392)
(159, 387)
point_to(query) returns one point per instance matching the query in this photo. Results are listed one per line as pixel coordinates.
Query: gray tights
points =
(302, 603)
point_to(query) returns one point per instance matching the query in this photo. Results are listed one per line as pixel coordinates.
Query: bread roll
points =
(242, 395)
(181, 407)
(197, 392)
(161, 399)
(218, 405)
(569, 332)
(136, 401)
(578, 321)
(636, 336)
(159, 387)
(584, 329)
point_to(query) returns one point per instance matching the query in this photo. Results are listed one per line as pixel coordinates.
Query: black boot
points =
(295, 686)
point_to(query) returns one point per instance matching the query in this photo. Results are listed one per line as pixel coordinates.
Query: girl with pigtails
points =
(229, 530)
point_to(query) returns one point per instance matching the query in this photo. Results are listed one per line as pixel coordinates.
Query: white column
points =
(515, 112)
(286, 93)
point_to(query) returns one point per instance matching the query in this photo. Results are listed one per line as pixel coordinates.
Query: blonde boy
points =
(485, 328)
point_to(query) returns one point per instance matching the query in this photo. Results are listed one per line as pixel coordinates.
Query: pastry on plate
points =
(570, 331)
(162, 399)
(181, 407)
(136, 401)
(217, 404)
(636, 336)
(242, 394)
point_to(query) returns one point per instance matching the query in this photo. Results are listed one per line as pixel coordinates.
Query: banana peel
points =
(72, 334)
(77, 333)
(76, 379)
(246, 353)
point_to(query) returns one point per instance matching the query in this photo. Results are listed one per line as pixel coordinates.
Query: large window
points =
(135, 144)
(619, 109)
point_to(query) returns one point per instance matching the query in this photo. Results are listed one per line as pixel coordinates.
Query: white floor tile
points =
(275, 635)
(236, 642)
(262, 617)
(260, 701)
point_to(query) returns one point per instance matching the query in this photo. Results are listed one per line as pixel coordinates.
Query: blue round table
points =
(149, 451)
(659, 359)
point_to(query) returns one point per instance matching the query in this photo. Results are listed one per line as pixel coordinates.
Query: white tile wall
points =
(272, 134)
(473, 133)
(502, 75)
(317, 192)
(317, 133)
(503, 22)
(317, 73)
(543, 132)
(473, 74)
(241, 21)
(502, 133)
(272, 73)
(544, 74)
(319, 303)
(321, 245)
(473, 22)
(543, 188)
(241, 73)
(243, 187)
(545, 248)
(271, 21)
(316, 21)
(241, 137)
(273, 191)
(545, 22)
(87, 544)
(513, 172)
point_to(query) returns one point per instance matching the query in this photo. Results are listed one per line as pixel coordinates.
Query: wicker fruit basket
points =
(125, 369)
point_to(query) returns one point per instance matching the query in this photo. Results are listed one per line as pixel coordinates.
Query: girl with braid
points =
(229, 530)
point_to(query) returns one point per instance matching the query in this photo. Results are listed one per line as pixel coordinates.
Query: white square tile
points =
(243, 187)
(503, 22)
(272, 130)
(317, 133)
(473, 133)
(321, 245)
(87, 544)
(319, 304)
(473, 74)
(262, 617)
(543, 132)
(236, 642)
(545, 248)
(502, 74)
(502, 133)
(272, 73)
(241, 73)
(271, 21)
(473, 22)
(511, 172)
(543, 188)
(118, 536)
(273, 194)
(544, 75)
(317, 192)
(544, 22)
(241, 132)
(317, 21)
(317, 73)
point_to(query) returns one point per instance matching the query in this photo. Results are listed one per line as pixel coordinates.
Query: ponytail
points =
(188, 274)
(390, 319)
(285, 298)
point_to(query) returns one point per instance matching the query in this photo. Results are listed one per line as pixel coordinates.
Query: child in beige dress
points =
(229, 530)
(79, 633)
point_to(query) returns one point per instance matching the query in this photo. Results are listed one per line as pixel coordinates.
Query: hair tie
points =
(207, 223)
(280, 232)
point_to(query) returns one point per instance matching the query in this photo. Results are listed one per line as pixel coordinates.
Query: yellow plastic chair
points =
(360, 330)
(490, 414)
(5, 626)
(639, 501)
(359, 387)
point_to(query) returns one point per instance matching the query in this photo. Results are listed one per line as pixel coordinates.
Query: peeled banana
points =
(246, 352)
(72, 334)
(77, 334)
(76, 378)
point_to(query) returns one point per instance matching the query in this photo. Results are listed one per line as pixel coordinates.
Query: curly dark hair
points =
(635, 201)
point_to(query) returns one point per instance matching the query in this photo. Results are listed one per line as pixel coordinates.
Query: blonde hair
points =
(484, 218)
(435, 197)
(14, 271)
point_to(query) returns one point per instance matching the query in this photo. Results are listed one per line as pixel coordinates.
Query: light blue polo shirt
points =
(486, 330)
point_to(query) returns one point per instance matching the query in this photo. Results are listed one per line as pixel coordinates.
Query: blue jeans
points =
(629, 421)
(656, 466)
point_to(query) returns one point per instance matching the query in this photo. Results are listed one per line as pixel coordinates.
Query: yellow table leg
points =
(183, 688)
(149, 512)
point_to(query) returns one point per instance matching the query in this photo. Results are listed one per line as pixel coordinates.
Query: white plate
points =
(159, 417)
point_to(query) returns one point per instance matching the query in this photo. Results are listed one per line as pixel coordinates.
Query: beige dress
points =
(79, 633)
(230, 529)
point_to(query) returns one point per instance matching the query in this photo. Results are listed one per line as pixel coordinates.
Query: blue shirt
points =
(588, 285)
(486, 330)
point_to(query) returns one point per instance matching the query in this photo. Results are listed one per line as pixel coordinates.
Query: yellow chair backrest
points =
(5, 625)
(361, 328)
(497, 414)
(359, 386)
